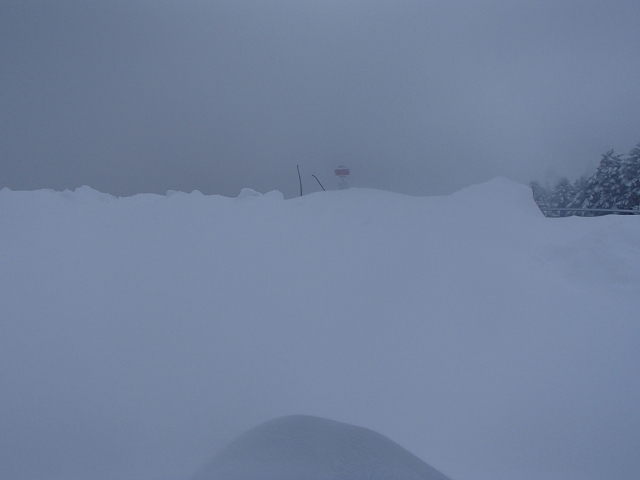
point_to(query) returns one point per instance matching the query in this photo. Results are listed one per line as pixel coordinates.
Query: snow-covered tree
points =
(561, 197)
(605, 188)
(631, 179)
(614, 185)
(579, 194)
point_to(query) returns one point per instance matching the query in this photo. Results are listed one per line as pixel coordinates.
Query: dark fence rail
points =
(593, 210)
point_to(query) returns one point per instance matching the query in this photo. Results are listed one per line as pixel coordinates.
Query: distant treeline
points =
(614, 185)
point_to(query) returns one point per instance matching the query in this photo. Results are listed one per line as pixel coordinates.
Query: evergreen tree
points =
(631, 179)
(579, 197)
(614, 185)
(561, 197)
(604, 189)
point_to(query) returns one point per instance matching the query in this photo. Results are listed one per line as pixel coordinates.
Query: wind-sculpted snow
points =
(139, 335)
(310, 448)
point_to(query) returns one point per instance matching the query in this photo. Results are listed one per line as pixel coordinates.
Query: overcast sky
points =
(414, 96)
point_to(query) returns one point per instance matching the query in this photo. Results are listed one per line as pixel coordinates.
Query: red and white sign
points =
(342, 171)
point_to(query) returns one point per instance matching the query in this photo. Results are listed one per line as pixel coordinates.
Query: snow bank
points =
(296, 447)
(138, 335)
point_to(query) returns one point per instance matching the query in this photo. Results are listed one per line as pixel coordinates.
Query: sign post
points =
(342, 172)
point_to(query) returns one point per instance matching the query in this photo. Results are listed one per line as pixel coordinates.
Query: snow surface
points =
(139, 335)
(303, 447)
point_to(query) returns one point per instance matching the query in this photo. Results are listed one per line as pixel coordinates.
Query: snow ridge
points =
(312, 448)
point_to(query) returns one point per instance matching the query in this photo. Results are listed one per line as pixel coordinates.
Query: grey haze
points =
(419, 97)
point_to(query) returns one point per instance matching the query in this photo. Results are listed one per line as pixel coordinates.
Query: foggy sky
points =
(419, 97)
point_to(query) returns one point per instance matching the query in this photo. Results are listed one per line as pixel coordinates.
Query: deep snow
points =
(139, 335)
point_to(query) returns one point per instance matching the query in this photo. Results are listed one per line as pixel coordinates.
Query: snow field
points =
(139, 335)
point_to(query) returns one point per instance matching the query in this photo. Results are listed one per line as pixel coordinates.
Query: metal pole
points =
(318, 182)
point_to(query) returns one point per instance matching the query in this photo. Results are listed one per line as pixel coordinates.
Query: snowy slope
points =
(139, 335)
(304, 447)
